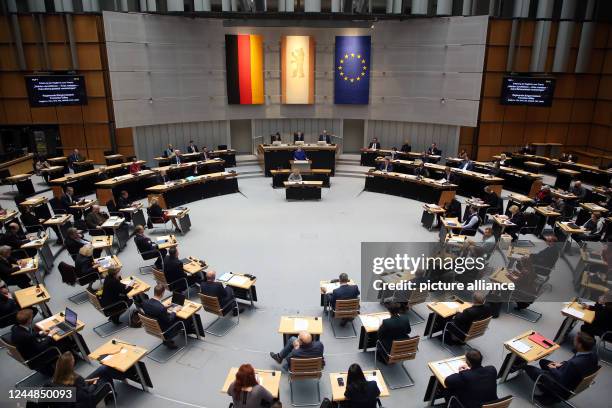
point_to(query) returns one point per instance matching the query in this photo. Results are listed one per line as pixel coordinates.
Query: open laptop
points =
(69, 324)
(178, 299)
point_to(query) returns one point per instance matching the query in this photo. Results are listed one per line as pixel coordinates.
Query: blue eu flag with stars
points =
(352, 70)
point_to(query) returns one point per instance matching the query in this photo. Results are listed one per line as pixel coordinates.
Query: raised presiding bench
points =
(277, 157)
(194, 188)
(280, 176)
(303, 190)
(135, 184)
(409, 186)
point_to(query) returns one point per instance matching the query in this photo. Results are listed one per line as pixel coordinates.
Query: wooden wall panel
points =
(69, 114)
(490, 133)
(59, 54)
(605, 86)
(515, 113)
(5, 30)
(89, 56)
(493, 84)
(73, 136)
(603, 113)
(496, 58)
(94, 83)
(17, 111)
(97, 136)
(560, 110)
(8, 62)
(44, 115)
(578, 135)
(565, 86)
(2, 114)
(587, 86)
(557, 133)
(12, 85)
(95, 111)
(32, 57)
(28, 29)
(512, 134)
(86, 28)
(491, 110)
(582, 111)
(55, 28)
(499, 32)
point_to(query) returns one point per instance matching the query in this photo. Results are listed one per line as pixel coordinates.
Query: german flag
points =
(244, 68)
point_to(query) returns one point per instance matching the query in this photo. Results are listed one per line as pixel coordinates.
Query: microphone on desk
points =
(114, 341)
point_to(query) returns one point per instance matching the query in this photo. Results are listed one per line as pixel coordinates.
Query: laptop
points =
(178, 299)
(69, 324)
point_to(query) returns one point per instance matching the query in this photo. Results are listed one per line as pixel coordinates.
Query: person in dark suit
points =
(30, 342)
(450, 177)
(298, 137)
(374, 144)
(496, 169)
(466, 163)
(386, 165)
(603, 317)
(495, 202)
(517, 218)
(114, 291)
(155, 211)
(75, 156)
(176, 159)
(453, 209)
(302, 346)
(124, 200)
(68, 199)
(433, 150)
(84, 263)
(474, 385)
(566, 373)
(406, 148)
(173, 271)
(74, 241)
(325, 137)
(28, 218)
(9, 307)
(421, 170)
(8, 265)
(144, 244)
(359, 392)
(14, 237)
(527, 149)
(155, 309)
(299, 154)
(578, 190)
(345, 291)
(206, 154)
(396, 327)
(225, 295)
(169, 151)
(192, 148)
(95, 218)
(462, 321)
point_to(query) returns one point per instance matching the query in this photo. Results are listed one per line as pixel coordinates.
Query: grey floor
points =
(290, 247)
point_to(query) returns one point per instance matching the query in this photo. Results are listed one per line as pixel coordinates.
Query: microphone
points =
(115, 341)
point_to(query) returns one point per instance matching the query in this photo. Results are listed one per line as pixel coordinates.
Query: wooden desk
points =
(370, 323)
(448, 225)
(282, 175)
(500, 276)
(406, 185)
(186, 169)
(440, 371)
(82, 182)
(292, 325)
(113, 261)
(181, 215)
(443, 310)
(30, 269)
(120, 232)
(103, 242)
(16, 166)
(243, 286)
(50, 322)
(534, 353)
(568, 231)
(38, 205)
(430, 212)
(166, 242)
(269, 379)
(573, 311)
(23, 183)
(545, 214)
(82, 166)
(520, 199)
(500, 223)
(135, 185)
(277, 157)
(60, 222)
(303, 190)
(123, 357)
(139, 287)
(586, 259)
(371, 375)
(36, 295)
(189, 310)
(557, 193)
(114, 159)
(10, 215)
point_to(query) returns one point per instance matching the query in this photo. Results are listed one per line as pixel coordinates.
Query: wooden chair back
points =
(403, 350)
(94, 300)
(151, 326)
(211, 304)
(159, 277)
(586, 382)
(305, 368)
(12, 351)
(500, 403)
(346, 309)
(478, 328)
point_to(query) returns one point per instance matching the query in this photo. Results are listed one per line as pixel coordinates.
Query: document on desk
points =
(376, 378)
(300, 324)
(330, 287)
(239, 280)
(225, 277)
(444, 369)
(573, 312)
(372, 321)
(520, 346)
(451, 305)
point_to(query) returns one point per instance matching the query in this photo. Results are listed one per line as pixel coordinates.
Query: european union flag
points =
(352, 68)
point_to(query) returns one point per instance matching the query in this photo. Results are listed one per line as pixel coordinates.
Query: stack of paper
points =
(573, 312)
(520, 346)
(451, 305)
(239, 280)
(444, 369)
(300, 324)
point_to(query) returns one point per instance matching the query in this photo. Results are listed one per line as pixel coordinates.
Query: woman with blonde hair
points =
(85, 265)
(518, 219)
(157, 214)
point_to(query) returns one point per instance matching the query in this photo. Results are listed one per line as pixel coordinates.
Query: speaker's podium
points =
(303, 190)
(301, 165)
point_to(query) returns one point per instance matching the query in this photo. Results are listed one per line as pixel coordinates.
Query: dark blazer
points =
(193, 149)
(29, 218)
(574, 370)
(217, 290)
(7, 307)
(173, 270)
(83, 265)
(389, 167)
(299, 137)
(473, 387)
(434, 152)
(518, 219)
(74, 158)
(421, 171)
(344, 292)
(66, 201)
(374, 145)
(406, 148)
(312, 350)
(123, 203)
(143, 243)
(464, 319)
(7, 268)
(14, 240)
(155, 310)
(113, 291)
(28, 342)
(73, 246)
(327, 138)
(454, 209)
(362, 398)
(393, 328)
(155, 211)
(469, 165)
(547, 257)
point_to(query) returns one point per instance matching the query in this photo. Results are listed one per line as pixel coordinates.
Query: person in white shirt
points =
(471, 221)
(295, 176)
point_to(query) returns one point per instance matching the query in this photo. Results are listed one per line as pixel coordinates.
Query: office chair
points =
(504, 402)
(211, 305)
(153, 328)
(548, 383)
(42, 358)
(477, 329)
(69, 277)
(401, 350)
(344, 309)
(305, 369)
(109, 311)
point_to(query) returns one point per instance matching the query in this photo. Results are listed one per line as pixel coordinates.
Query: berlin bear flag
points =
(352, 70)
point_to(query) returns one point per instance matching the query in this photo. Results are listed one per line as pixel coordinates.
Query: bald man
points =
(302, 346)
(225, 295)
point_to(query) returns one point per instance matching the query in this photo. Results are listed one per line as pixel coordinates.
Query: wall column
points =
(467, 8)
(541, 36)
(176, 5)
(521, 10)
(444, 8)
(586, 39)
(564, 36)
(419, 7)
(310, 6)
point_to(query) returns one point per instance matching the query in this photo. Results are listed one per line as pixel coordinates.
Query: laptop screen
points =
(178, 298)
(70, 317)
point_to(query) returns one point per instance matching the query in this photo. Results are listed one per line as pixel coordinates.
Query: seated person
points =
(453, 209)
(527, 149)
(68, 199)
(359, 392)
(594, 228)
(345, 291)
(433, 150)
(95, 218)
(29, 218)
(74, 241)
(474, 385)
(155, 309)
(113, 292)
(578, 190)
(9, 307)
(566, 373)
(74, 157)
(192, 148)
(462, 321)
(14, 237)
(295, 176)
(169, 152)
(486, 246)
(206, 154)
(421, 170)
(302, 346)
(406, 148)
(517, 218)
(559, 205)
(173, 271)
(450, 177)
(124, 202)
(246, 392)
(396, 327)
(471, 222)
(298, 137)
(503, 160)
(135, 167)
(466, 163)
(275, 137)
(299, 154)
(603, 317)
(374, 144)
(85, 265)
(9, 265)
(547, 257)
(495, 202)
(225, 295)
(144, 244)
(496, 169)
(176, 159)
(386, 165)
(85, 389)
(155, 211)
(325, 137)
(543, 197)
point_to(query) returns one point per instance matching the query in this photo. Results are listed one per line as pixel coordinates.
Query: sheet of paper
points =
(300, 324)
(573, 312)
(444, 369)
(330, 287)
(451, 305)
(520, 346)
(455, 364)
(225, 277)
(375, 378)
(239, 280)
